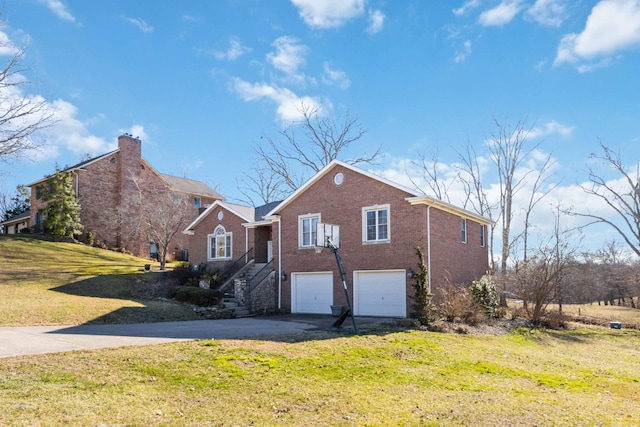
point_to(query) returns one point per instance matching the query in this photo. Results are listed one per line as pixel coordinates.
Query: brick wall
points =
(198, 242)
(451, 260)
(114, 191)
(343, 205)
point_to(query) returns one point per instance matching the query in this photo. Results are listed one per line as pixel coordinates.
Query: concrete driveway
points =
(24, 340)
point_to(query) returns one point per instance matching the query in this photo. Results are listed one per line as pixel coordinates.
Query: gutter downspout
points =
(429, 249)
(279, 263)
(246, 245)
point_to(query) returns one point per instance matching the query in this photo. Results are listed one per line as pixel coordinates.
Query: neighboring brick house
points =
(226, 232)
(15, 224)
(381, 225)
(116, 189)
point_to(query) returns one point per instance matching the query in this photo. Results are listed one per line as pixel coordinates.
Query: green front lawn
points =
(52, 283)
(583, 377)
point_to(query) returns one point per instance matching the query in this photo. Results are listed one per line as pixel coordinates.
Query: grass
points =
(606, 313)
(585, 376)
(581, 377)
(52, 283)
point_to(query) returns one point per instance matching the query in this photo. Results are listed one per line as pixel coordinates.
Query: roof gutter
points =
(447, 207)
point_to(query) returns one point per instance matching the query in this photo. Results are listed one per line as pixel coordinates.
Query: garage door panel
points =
(380, 293)
(312, 292)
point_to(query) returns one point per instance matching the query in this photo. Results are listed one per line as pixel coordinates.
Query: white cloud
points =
(289, 56)
(72, 133)
(612, 26)
(468, 5)
(404, 171)
(550, 128)
(7, 47)
(59, 8)
(142, 25)
(376, 22)
(236, 50)
(328, 13)
(462, 54)
(501, 14)
(138, 132)
(551, 13)
(335, 77)
(289, 105)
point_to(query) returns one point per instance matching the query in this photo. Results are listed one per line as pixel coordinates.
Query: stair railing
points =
(256, 279)
(232, 269)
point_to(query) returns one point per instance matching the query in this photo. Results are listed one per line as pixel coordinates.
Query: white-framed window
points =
(196, 202)
(220, 244)
(375, 224)
(307, 225)
(482, 235)
(463, 230)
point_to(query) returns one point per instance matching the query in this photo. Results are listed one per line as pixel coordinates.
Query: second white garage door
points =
(312, 292)
(380, 293)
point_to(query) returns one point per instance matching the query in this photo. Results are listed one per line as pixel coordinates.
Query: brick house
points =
(226, 232)
(381, 224)
(115, 190)
(16, 223)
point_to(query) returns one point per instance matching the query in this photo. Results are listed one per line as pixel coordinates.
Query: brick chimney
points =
(129, 182)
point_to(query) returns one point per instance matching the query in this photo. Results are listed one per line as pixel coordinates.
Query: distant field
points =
(50, 283)
(626, 315)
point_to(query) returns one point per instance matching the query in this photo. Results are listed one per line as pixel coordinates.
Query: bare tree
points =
(622, 196)
(430, 168)
(22, 116)
(163, 219)
(539, 190)
(305, 147)
(540, 276)
(470, 174)
(262, 185)
(508, 149)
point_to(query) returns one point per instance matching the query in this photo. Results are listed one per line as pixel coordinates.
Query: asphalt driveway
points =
(24, 340)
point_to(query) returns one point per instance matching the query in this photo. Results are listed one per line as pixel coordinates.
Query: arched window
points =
(220, 244)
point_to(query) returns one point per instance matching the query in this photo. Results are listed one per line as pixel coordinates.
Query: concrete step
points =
(241, 312)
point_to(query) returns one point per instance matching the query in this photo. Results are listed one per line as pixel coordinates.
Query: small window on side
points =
(463, 230)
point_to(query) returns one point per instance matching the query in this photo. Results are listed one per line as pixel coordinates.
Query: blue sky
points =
(201, 81)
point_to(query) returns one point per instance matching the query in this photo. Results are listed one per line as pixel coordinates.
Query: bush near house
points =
(197, 296)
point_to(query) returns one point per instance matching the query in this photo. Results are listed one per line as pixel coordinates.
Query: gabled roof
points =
(245, 213)
(322, 172)
(182, 185)
(78, 166)
(262, 211)
(414, 197)
(190, 186)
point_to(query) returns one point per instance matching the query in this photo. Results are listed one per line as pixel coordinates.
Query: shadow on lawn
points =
(141, 289)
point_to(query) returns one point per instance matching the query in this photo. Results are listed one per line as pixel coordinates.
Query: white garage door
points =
(380, 293)
(312, 292)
